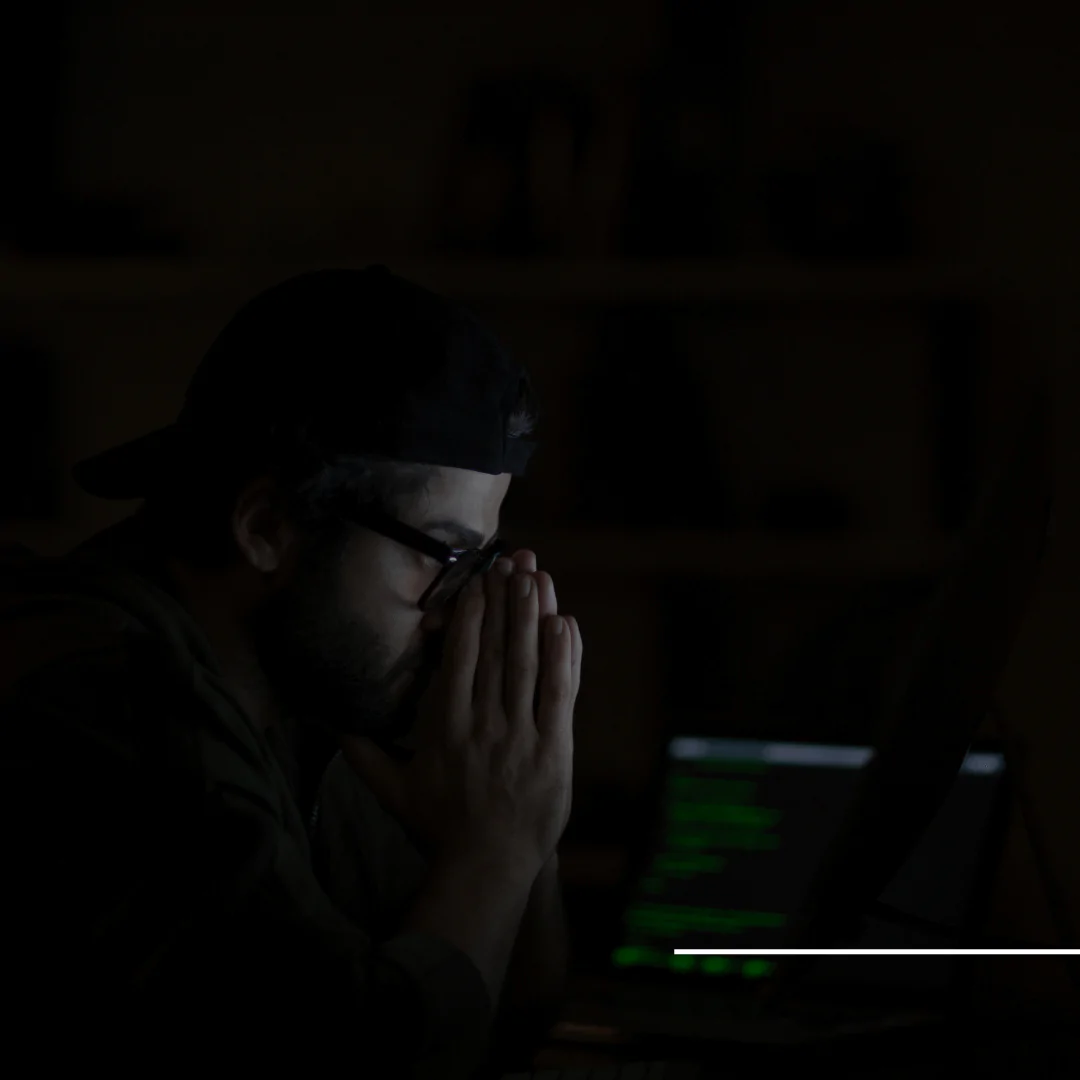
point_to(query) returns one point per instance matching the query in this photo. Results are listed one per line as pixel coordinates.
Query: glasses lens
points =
(458, 575)
(453, 580)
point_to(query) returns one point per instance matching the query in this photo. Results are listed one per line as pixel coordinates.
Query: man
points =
(287, 765)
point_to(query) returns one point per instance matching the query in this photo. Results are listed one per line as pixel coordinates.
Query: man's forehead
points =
(462, 506)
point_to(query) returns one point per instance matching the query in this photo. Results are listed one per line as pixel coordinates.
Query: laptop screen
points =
(743, 827)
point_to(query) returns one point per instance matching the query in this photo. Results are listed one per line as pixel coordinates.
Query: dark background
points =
(777, 272)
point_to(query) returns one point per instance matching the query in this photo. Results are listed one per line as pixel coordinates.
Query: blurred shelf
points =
(555, 281)
(734, 555)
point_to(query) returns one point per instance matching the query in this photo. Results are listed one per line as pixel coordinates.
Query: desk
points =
(1011, 1046)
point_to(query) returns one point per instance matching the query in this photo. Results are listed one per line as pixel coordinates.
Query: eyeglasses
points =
(460, 565)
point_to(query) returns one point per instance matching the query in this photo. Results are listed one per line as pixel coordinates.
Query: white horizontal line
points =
(877, 952)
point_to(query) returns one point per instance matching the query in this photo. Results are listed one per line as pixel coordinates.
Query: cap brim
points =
(127, 471)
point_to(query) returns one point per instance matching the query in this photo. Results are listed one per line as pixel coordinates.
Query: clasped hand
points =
(492, 771)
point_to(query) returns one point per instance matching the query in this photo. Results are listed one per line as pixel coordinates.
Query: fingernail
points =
(504, 566)
(524, 585)
(557, 628)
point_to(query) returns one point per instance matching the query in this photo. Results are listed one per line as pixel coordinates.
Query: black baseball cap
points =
(365, 361)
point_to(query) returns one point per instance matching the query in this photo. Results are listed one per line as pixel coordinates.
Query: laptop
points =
(741, 828)
(751, 832)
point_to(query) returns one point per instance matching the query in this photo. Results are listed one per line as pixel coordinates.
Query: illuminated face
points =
(342, 640)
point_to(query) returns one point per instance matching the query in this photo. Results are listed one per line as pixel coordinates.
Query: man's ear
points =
(261, 528)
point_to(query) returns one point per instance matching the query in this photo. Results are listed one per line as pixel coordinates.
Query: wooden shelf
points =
(735, 555)
(551, 281)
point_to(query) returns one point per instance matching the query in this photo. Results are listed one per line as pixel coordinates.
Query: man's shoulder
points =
(77, 656)
(52, 634)
(90, 618)
(80, 679)
(102, 603)
(91, 688)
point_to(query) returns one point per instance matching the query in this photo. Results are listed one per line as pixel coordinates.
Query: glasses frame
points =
(377, 521)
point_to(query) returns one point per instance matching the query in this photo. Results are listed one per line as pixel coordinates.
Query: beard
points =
(328, 667)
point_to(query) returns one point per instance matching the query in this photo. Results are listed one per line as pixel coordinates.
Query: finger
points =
(576, 649)
(379, 772)
(458, 673)
(547, 606)
(524, 561)
(545, 590)
(491, 667)
(555, 713)
(522, 669)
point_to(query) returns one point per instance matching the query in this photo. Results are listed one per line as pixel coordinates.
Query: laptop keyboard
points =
(641, 1070)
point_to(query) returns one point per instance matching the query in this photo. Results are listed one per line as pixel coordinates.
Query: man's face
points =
(342, 641)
